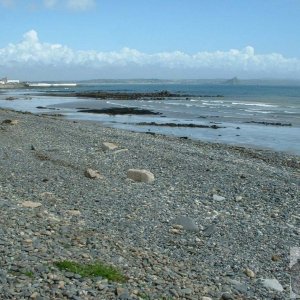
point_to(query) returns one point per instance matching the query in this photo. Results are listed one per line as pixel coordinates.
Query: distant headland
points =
(6, 83)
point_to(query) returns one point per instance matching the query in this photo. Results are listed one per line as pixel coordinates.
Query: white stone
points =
(61, 284)
(94, 174)
(74, 212)
(34, 295)
(218, 198)
(140, 175)
(109, 146)
(249, 273)
(206, 298)
(14, 122)
(272, 284)
(30, 204)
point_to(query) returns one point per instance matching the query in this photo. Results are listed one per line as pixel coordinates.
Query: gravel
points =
(130, 225)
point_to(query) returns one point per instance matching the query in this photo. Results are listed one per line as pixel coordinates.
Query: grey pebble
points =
(186, 222)
(227, 296)
(209, 230)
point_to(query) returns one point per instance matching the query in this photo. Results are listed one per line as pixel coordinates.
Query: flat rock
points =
(140, 175)
(209, 230)
(73, 212)
(106, 146)
(93, 174)
(272, 284)
(30, 204)
(187, 291)
(186, 223)
(241, 287)
(218, 198)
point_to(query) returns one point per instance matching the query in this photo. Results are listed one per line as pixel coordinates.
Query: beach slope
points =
(217, 221)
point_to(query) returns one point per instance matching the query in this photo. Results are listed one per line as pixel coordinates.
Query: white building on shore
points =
(9, 81)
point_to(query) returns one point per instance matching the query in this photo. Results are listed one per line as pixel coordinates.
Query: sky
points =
(162, 39)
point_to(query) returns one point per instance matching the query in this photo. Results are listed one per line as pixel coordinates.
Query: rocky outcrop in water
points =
(129, 96)
(121, 95)
(270, 123)
(120, 111)
(190, 125)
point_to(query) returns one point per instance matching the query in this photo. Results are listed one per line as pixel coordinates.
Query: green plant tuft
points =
(29, 274)
(92, 270)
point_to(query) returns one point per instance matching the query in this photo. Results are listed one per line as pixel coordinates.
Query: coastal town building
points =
(4, 80)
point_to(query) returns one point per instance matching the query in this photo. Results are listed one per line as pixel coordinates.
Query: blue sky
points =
(150, 38)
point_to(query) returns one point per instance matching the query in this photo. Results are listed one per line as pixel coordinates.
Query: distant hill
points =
(217, 81)
(233, 81)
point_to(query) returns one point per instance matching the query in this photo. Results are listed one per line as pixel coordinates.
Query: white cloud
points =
(31, 52)
(31, 37)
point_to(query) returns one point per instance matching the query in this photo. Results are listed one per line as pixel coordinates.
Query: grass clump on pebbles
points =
(92, 270)
(29, 274)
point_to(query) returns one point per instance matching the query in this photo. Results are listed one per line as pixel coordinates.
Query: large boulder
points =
(186, 223)
(140, 175)
(93, 174)
(106, 146)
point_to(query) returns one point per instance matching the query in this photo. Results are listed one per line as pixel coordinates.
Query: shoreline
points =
(239, 206)
(259, 122)
(260, 134)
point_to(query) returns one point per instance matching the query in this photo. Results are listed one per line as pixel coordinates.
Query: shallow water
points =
(238, 106)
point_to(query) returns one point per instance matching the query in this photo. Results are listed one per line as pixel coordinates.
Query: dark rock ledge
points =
(190, 125)
(161, 95)
(270, 123)
(120, 111)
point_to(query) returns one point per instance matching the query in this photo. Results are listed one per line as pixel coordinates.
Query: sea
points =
(260, 116)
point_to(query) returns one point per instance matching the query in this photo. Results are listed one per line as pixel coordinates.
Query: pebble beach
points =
(214, 222)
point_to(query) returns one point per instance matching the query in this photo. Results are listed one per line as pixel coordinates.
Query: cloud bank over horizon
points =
(42, 57)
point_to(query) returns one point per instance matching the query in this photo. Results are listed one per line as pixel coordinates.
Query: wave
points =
(254, 104)
(258, 111)
(118, 104)
(180, 104)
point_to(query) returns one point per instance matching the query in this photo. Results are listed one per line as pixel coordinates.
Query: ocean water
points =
(243, 111)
